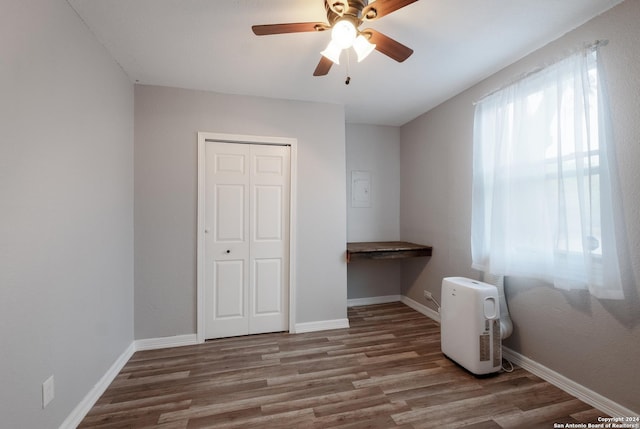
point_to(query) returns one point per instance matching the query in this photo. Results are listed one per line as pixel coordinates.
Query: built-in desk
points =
(386, 250)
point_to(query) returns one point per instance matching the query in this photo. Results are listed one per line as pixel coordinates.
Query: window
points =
(541, 182)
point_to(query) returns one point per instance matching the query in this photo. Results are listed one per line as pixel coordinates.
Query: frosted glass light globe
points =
(344, 33)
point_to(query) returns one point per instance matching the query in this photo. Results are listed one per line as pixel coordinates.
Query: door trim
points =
(203, 138)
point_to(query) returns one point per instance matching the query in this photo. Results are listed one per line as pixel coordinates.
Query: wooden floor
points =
(386, 371)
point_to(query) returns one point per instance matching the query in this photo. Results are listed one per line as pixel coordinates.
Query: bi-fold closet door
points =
(247, 197)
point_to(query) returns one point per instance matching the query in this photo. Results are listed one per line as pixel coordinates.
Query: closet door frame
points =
(203, 138)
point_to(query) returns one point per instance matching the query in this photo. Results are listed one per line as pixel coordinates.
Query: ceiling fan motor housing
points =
(337, 9)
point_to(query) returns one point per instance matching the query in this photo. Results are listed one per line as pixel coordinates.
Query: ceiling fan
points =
(344, 17)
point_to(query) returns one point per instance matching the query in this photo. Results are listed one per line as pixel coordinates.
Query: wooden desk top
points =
(386, 250)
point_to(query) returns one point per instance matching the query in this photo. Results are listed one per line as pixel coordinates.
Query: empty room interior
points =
(182, 178)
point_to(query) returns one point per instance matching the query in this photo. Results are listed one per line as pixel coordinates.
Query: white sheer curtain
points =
(542, 206)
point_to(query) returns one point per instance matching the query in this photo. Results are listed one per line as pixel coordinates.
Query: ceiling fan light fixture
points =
(344, 33)
(332, 52)
(363, 47)
(344, 17)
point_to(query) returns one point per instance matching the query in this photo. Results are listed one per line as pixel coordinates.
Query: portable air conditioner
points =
(470, 324)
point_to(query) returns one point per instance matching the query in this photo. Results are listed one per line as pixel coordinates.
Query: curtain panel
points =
(542, 205)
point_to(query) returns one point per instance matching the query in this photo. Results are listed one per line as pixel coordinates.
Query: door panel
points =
(267, 287)
(268, 213)
(230, 213)
(229, 292)
(230, 163)
(226, 245)
(247, 197)
(269, 165)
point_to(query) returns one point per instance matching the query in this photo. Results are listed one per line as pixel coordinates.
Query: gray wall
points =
(593, 342)
(66, 211)
(375, 149)
(166, 124)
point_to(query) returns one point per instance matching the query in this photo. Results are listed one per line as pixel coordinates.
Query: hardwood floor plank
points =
(204, 407)
(143, 415)
(408, 380)
(542, 415)
(537, 396)
(317, 401)
(150, 379)
(587, 416)
(206, 387)
(351, 405)
(331, 375)
(464, 411)
(487, 424)
(357, 416)
(385, 371)
(228, 418)
(287, 420)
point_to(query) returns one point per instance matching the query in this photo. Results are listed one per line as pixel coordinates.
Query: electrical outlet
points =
(48, 391)
(428, 295)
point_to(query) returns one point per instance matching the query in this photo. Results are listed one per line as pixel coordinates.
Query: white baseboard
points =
(322, 325)
(373, 300)
(166, 342)
(592, 398)
(75, 417)
(420, 308)
(81, 410)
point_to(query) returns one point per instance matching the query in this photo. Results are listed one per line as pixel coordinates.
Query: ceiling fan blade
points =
(323, 66)
(380, 8)
(294, 27)
(391, 48)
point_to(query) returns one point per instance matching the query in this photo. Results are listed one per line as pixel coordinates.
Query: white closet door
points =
(269, 235)
(246, 240)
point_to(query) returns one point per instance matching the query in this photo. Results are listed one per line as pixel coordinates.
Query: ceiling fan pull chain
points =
(348, 79)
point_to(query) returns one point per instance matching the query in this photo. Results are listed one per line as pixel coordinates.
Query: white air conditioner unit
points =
(470, 324)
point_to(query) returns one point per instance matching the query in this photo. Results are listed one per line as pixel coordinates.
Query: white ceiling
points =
(209, 45)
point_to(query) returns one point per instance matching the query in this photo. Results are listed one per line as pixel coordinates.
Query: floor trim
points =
(373, 300)
(421, 308)
(581, 392)
(80, 411)
(166, 342)
(322, 325)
